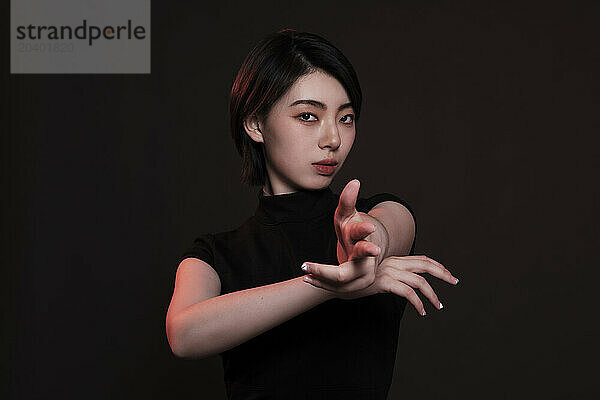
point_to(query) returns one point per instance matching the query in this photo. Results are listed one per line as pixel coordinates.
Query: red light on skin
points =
(325, 169)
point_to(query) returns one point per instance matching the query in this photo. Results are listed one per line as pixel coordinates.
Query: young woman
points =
(242, 294)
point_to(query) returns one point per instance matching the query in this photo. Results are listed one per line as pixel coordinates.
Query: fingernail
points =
(423, 313)
(441, 305)
(307, 279)
(305, 267)
(456, 279)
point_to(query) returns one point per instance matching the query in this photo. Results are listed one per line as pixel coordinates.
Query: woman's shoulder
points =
(203, 243)
(248, 227)
(365, 204)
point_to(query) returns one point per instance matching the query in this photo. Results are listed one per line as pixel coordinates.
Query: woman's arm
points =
(212, 325)
(395, 230)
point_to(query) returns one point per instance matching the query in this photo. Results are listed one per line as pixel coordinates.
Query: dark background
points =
(479, 114)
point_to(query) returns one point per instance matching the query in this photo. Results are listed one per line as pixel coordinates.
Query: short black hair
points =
(268, 71)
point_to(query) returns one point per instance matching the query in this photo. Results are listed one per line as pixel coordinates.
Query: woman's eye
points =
(305, 116)
(349, 115)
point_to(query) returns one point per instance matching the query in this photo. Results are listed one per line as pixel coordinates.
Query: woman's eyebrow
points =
(318, 104)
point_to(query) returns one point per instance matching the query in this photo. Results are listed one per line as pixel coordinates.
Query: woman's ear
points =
(252, 127)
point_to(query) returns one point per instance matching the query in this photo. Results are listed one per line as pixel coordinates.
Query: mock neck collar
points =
(299, 206)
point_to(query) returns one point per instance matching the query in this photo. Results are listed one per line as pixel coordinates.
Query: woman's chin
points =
(319, 182)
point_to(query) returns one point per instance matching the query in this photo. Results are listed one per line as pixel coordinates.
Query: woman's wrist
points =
(380, 237)
(322, 294)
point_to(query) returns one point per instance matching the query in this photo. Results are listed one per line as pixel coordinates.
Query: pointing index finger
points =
(347, 202)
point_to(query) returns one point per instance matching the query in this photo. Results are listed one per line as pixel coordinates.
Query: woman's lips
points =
(325, 169)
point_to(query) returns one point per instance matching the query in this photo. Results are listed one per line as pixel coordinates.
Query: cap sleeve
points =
(202, 248)
(366, 204)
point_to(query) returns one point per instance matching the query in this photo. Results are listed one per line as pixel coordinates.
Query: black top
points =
(339, 349)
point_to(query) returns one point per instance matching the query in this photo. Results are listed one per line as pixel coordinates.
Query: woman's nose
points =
(330, 136)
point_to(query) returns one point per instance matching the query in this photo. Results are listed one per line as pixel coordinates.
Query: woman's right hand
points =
(395, 274)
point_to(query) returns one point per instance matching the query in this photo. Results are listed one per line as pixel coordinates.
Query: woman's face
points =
(313, 121)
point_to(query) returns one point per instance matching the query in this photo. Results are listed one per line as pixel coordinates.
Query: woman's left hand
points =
(355, 230)
(398, 275)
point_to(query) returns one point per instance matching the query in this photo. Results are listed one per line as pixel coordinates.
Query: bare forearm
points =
(395, 229)
(220, 323)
